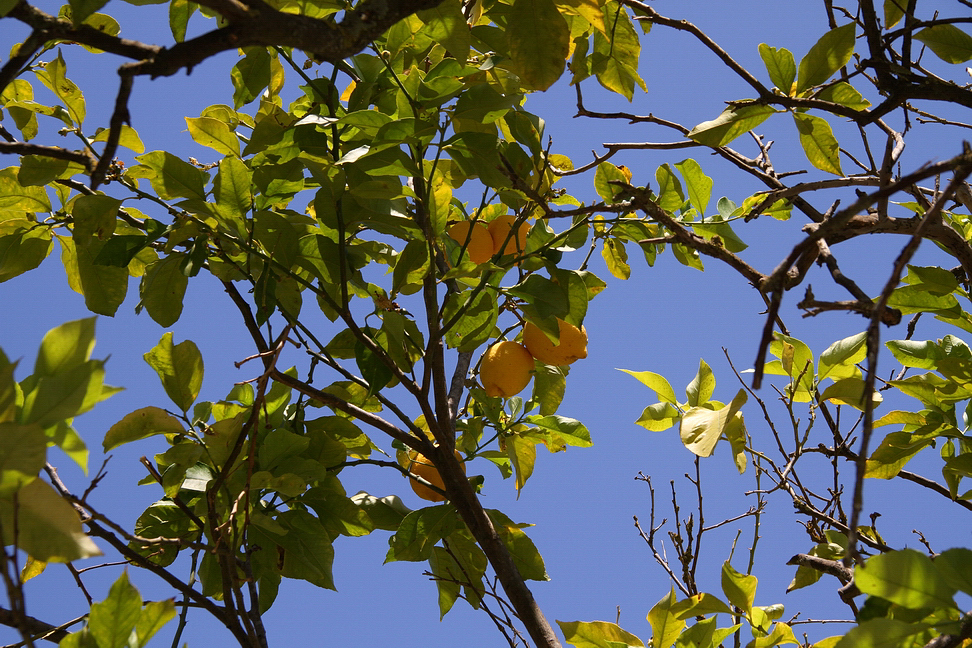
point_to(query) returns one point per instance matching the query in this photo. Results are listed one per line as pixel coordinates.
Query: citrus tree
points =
(380, 199)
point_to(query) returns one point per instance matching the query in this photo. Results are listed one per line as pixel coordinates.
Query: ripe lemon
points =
(480, 246)
(572, 345)
(499, 229)
(506, 369)
(420, 466)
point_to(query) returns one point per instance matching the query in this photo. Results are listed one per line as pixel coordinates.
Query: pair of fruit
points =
(484, 242)
(507, 366)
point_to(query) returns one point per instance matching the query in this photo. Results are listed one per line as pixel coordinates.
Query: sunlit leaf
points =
(948, 42)
(818, 142)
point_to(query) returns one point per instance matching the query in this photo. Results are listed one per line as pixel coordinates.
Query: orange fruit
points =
(499, 230)
(506, 369)
(420, 466)
(480, 246)
(571, 346)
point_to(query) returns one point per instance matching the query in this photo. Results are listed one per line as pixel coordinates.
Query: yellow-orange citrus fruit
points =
(480, 246)
(506, 369)
(571, 346)
(500, 228)
(420, 466)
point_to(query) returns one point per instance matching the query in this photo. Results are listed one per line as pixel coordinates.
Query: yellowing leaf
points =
(701, 428)
(598, 634)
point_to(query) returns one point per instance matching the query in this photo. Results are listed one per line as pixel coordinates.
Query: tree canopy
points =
(380, 205)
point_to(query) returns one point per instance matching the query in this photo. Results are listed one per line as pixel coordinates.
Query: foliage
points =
(343, 200)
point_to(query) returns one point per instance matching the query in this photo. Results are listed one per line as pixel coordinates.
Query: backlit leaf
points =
(829, 54)
(539, 40)
(905, 577)
(733, 122)
(598, 634)
(818, 142)
(948, 42)
(180, 368)
(49, 528)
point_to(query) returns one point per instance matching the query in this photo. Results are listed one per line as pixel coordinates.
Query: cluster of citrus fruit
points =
(483, 242)
(507, 366)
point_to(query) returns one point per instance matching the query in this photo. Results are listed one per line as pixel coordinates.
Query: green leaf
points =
(948, 42)
(955, 566)
(549, 387)
(154, 615)
(844, 94)
(598, 634)
(905, 577)
(111, 621)
(665, 626)
(849, 391)
(818, 142)
(64, 395)
(524, 553)
(829, 54)
(307, 550)
(700, 605)
(842, 354)
(605, 174)
(733, 122)
(141, 424)
(127, 137)
(15, 197)
(698, 185)
(701, 428)
(780, 65)
(172, 177)
(232, 193)
(180, 368)
(165, 519)
(65, 347)
(614, 60)
(23, 246)
(670, 196)
(659, 417)
(880, 633)
(420, 531)
(447, 26)
(546, 298)
(81, 9)
(23, 452)
(94, 216)
(522, 452)
(655, 382)
(180, 11)
(616, 258)
(894, 10)
(740, 589)
(53, 76)
(250, 76)
(163, 288)
(561, 431)
(48, 527)
(539, 41)
(700, 390)
(215, 134)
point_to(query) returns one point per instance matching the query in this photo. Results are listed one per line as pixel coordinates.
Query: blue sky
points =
(664, 319)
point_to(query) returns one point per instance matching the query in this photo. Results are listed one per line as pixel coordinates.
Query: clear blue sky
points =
(663, 319)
